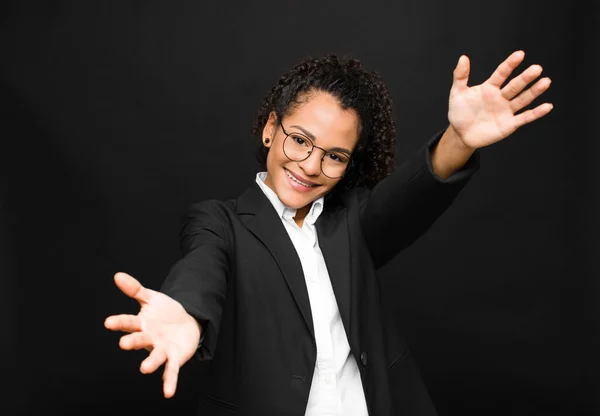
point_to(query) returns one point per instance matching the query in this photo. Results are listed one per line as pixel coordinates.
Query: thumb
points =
(461, 75)
(131, 287)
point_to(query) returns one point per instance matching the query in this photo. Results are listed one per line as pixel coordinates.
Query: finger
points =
(461, 75)
(170, 377)
(527, 96)
(135, 341)
(125, 323)
(530, 115)
(157, 357)
(518, 84)
(506, 68)
(131, 287)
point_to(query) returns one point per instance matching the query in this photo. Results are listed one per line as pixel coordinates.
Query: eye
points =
(336, 158)
(299, 140)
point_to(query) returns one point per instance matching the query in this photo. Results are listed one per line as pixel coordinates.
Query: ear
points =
(270, 129)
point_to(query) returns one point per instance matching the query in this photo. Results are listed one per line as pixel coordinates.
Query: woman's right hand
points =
(162, 327)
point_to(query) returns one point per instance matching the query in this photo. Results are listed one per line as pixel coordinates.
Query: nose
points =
(312, 165)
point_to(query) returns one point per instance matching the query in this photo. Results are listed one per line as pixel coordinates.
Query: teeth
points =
(296, 180)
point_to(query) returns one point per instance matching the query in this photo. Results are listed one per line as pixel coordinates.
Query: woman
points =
(276, 291)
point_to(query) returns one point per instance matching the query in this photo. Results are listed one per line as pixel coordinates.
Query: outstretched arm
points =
(172, 321)
(403, 206)
(485, 114)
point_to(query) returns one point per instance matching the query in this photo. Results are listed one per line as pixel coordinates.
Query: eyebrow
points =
(314, 139)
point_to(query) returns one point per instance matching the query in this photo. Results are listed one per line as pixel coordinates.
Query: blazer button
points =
(364, 358)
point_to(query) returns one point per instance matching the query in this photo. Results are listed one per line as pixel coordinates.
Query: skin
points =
(479, 116)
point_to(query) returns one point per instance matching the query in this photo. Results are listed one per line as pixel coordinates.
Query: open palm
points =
(485, 114)
(162, 326)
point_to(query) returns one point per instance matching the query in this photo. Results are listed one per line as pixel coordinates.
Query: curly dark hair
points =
(355, 88)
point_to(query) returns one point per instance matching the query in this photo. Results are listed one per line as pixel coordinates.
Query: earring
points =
(266, 140)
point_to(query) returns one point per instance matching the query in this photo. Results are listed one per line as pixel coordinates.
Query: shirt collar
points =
(284, 211)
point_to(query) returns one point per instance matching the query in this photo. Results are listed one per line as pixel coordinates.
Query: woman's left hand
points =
(485, 114)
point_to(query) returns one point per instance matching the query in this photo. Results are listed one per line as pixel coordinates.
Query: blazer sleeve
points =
(404, 205)
(199, 279)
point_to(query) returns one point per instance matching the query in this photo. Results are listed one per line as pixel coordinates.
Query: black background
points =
(117, 115)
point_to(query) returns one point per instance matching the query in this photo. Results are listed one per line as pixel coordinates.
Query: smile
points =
(294, 179)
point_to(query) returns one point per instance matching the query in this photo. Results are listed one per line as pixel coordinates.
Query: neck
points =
(301, 214)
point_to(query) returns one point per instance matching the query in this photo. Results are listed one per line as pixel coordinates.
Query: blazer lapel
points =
(332, 229)
(266, 225)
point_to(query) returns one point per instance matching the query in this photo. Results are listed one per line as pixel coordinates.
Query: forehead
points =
(321, 114)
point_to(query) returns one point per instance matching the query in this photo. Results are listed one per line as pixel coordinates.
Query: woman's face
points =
(330, 127)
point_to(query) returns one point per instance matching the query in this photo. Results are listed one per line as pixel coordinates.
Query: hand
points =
(162, 327)
(485, 114)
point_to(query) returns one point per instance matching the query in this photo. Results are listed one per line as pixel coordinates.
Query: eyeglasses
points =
(297, 147)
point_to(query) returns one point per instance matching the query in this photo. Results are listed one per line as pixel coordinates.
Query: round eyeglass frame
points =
(349, 165)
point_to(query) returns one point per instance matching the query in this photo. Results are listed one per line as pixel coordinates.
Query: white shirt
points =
(336, 388)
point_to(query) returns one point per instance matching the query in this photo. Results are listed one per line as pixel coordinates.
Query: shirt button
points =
(328, 379)
(364, 358)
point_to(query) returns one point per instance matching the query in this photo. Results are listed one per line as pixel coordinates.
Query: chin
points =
(293, 199)
(296, 201)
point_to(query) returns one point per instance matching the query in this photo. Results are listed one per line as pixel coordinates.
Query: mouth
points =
(299, 184)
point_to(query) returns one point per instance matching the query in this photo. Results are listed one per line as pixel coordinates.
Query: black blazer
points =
(241, 278)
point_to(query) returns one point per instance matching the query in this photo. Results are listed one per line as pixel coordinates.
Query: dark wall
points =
(117, 115)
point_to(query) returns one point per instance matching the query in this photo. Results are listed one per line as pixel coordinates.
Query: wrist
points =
(454, 141)
(450, 154)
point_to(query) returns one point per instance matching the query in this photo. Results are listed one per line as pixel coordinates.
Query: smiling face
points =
(329, 126)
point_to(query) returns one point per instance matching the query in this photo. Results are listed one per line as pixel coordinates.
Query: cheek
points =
(273, 153)
(330, 184)
(274, 163)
